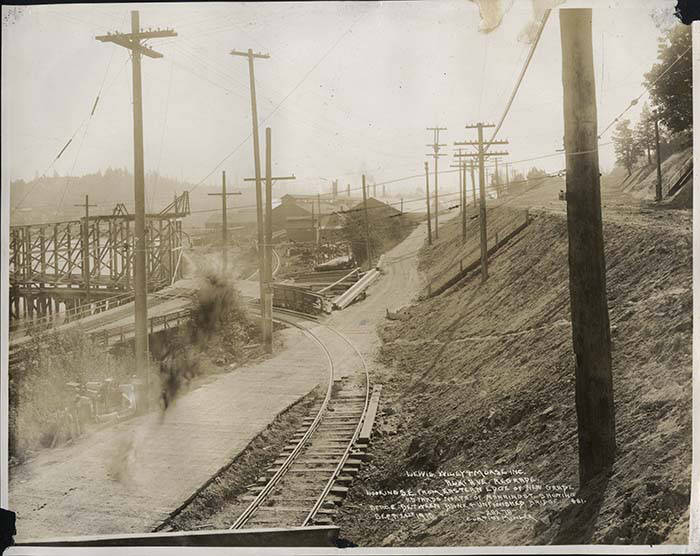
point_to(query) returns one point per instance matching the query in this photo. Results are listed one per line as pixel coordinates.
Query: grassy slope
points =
(504, 394)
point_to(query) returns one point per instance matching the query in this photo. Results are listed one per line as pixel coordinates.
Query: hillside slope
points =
(642, 183)
(483, 377)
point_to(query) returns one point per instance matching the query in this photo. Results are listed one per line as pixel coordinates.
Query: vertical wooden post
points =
(482, 206)
(427, 202)
(589, 307)
(367, 245)
(267, 313)
(659, 192)
(224, 223)
(463, 171)
(471, 171)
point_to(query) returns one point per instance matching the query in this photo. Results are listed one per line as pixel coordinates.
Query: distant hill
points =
(53, 198)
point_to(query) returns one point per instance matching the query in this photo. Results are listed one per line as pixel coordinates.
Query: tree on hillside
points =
(671, 88)
(644, 133)
(627, 149)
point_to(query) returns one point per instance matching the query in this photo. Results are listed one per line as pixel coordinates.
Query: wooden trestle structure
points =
(88, 264)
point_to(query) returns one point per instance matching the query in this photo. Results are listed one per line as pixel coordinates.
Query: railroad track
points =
(309, 479)
(275, 268)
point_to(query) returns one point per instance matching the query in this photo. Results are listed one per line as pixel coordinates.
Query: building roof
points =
(376, 207)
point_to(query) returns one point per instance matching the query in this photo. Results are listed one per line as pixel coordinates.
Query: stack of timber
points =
(322, 291)
(328, 282)
(357, 289)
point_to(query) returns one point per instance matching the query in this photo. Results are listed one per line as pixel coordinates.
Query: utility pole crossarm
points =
(486, 143)
(476, 155)
(476, 126)
(131, 41)
(275, 178)
(248, 53)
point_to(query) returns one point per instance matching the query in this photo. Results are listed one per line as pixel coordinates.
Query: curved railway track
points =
(275, 269)
(304, 485)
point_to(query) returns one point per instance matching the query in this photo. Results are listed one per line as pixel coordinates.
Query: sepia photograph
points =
(348, 276)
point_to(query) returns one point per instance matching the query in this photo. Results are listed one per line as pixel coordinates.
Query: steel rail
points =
(277, 267)
(346, 454)
(260, 498)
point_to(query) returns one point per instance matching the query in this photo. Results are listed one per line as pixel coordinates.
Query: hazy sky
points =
(349, 87)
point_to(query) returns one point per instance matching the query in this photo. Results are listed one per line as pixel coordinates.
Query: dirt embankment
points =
(483, 377)
(642, 183)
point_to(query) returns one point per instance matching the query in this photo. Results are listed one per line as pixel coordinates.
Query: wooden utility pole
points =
(659, 192)
(463, 170)
(266, 299)
(436, 155)
(318, 226)
(427, 202)
(507, 189)
(348, 190)
(462, 197)
(471, 171)
(86, 247)
(132, 42)
(266, 334)
(497, 179)
(224, 220)
(364, 200)
(481, 154)
(589, 306)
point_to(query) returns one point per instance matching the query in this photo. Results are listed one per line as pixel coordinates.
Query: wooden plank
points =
(370, 417)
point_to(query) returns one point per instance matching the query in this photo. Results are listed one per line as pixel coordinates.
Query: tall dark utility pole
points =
(266, 334)
(436, 155)
(481, 154)
(224, 220)
(86, 247)
(659, 192)
(132, 41)
(587, 282)
(427, 202)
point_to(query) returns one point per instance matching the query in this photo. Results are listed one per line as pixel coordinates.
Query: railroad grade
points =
(310, 477)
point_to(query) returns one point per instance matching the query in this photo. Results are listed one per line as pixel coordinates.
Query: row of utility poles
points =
(134, 42)
(480, 155)
(264, 225)
(587, 277)
(590, 322)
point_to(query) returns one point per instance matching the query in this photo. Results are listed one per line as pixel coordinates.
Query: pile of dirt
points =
(483, 376)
